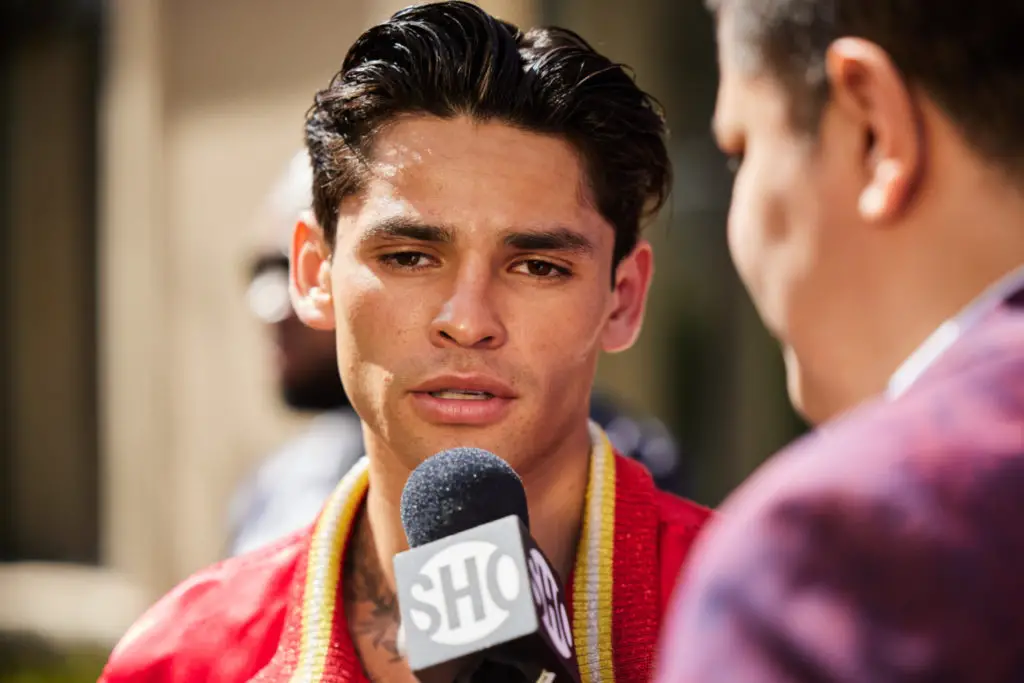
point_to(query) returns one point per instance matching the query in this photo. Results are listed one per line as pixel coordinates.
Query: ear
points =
(629, 298)
(867, 87)
(310, 275)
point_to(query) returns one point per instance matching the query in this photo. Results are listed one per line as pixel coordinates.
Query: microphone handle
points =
(498, 671)
(491, 671)
(460, 670)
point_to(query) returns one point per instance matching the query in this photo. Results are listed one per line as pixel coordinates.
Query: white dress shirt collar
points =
(950, 331)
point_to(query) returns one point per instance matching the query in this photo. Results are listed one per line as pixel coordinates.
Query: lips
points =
(465, 388)
(468, 400)
(461, 395)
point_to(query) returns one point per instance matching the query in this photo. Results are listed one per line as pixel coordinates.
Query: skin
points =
(305, 363)
(473, 250)
(856, 242)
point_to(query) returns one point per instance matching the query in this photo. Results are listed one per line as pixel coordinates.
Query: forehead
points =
(747, 99)
(472, 174)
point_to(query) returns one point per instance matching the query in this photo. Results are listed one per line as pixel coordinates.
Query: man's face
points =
(794, 226)
(304, 358)
(471, 287)
(307, 367)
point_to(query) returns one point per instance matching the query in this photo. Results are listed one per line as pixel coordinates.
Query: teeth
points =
(462, 395)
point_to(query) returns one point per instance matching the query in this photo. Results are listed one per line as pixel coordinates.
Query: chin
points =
(505, 443)
(488, 438)
(797, 398)
(805, 394)
(416, 441)
(794, 380)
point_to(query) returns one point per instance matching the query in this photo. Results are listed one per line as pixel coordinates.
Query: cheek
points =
(375, 326)
(742, 229)
(566, 329)
(564, 347)
(756, 225)
(772, 221)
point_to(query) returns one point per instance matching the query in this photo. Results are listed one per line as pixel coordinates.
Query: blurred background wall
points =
(137, 138)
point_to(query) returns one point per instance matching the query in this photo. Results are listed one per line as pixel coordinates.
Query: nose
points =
(469, 318)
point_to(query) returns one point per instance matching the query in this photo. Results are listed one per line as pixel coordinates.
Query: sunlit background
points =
(138, 138)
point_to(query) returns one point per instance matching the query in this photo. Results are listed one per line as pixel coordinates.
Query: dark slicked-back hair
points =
(967, 55)
(451, 59)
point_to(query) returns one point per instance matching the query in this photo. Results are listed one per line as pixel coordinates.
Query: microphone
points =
(475, 592)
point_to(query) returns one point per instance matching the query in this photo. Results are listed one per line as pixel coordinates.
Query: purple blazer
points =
(887, 546)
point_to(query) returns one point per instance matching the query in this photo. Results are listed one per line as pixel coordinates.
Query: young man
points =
(478, 194)
(288, 489)
(878, 222)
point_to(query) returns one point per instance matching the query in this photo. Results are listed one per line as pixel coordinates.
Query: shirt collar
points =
(950, 331)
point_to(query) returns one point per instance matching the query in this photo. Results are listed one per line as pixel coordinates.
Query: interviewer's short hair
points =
(451, 59)
(967, 55)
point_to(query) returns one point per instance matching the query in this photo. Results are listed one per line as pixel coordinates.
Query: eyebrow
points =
(399, 228)
(555, 239)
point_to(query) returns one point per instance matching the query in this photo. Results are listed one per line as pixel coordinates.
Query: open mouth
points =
(463, 400)
(462, 395)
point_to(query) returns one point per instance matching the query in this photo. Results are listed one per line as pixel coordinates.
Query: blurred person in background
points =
(287, 490)
(643, 438)
(289, 487)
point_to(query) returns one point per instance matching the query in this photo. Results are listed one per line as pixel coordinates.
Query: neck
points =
(931, 272)
(555, 492)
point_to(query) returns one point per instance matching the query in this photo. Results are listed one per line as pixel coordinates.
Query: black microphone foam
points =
(457, 490)
(477, 596)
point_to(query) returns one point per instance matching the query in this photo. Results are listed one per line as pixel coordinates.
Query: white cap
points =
(289, 197)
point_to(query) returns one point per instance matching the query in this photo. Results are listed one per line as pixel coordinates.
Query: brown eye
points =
(540, 268)
(406, 260)
(544, 270)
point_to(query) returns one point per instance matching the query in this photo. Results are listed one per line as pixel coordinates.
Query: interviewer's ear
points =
(310, 278)
(870, 92)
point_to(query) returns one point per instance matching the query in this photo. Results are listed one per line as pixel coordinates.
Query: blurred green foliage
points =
(30, 659)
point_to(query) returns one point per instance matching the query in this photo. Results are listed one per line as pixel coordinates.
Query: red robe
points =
(276, 614)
